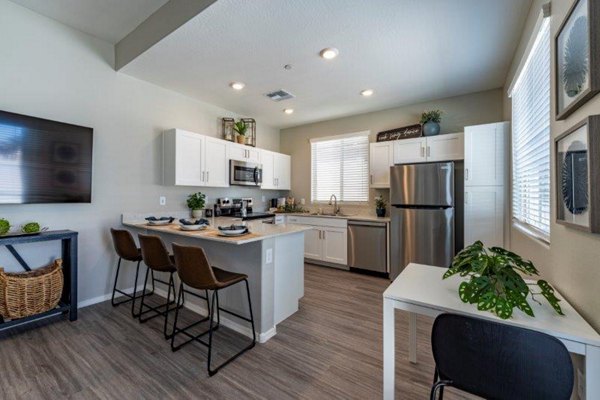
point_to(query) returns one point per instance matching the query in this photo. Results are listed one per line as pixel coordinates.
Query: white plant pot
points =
(196, 213)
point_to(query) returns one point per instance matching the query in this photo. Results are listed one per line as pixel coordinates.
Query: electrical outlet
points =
(269, 256)
(580, 384)
(162, 200)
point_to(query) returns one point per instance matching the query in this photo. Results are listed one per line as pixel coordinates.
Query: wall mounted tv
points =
(44, 161)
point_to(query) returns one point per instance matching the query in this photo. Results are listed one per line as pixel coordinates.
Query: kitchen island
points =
(271, 255)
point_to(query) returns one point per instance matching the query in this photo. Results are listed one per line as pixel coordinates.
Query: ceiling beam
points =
(165, 20)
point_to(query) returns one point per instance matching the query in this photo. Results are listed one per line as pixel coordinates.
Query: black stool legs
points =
(130, 297)
(157, 310)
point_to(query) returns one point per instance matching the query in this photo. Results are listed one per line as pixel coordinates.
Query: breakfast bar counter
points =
(271, 255)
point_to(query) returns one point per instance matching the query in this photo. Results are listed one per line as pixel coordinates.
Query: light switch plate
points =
(269, 256)
(162, 200)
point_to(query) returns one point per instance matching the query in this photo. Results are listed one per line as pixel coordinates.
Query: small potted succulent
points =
(495, 283)
(195, 202)
(380, 206)
(431, 122)
(240, 128)
(4, 226)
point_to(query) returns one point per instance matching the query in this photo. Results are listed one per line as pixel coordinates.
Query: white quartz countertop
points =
(258, 230)
(349, 217)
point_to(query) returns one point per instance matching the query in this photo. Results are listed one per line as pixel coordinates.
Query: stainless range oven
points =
(245, 173)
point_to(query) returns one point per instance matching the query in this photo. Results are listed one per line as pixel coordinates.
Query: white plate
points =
(192, 227)
(238, 232)
(159, 223)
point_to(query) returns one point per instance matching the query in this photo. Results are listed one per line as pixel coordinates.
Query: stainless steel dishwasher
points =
(367, 245)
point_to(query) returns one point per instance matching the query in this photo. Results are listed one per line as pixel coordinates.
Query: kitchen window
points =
(531, 139)
(340, 166)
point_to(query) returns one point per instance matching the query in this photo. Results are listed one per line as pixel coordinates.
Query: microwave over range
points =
(245, 173)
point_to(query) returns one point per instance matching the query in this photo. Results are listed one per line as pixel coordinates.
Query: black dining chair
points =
(498, 361)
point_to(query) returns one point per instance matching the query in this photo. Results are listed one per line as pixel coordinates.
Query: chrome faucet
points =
(336, 210)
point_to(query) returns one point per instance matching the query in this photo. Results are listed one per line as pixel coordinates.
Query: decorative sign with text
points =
(405, 132)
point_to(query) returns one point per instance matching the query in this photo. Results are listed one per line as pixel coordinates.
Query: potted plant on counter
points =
(380, 206)
(431, 122)
(240, 128)
(495, 283)
(195, 202)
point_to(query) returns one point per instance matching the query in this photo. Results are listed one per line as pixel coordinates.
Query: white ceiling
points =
(407, 51)
(110, 20)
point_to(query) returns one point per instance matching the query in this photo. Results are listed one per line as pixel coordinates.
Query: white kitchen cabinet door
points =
(242, 152)
(268, 170)
(335, 245)
(484, 215)
(313, 246)
(189, 149)
(410, 150)
(216, 165)
(282, 171)
(485, 157)
(445, 147)
(381, 158)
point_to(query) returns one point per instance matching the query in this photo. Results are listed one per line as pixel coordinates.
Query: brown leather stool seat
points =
(126, 249)
(195, 271)
(157, 258)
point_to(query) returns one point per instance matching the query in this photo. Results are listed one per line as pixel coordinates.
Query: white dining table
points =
(419, 289)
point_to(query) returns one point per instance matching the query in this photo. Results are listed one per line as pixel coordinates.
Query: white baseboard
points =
(104, 297)
(225, 320)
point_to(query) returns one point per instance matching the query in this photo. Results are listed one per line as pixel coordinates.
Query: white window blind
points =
(531, 139)
(340, 166)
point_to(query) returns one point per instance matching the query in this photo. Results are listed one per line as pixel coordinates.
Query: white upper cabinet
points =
(241, 152)
(410, 150)
(381, 158)
(485, 154)
(183, 158)
(445, 147)
(216, 164)
(276, 170)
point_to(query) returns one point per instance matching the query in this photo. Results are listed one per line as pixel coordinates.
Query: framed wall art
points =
(577, 154)
(577, 57)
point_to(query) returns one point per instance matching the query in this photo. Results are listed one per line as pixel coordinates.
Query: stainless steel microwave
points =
(245, 173)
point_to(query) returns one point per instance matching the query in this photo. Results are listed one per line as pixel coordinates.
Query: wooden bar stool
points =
(126, 249)
(157, 258)
(195, 271)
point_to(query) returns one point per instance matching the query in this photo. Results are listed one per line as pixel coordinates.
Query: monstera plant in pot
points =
(195, 202)
(431, 122)
(240, 128)
(494, 282)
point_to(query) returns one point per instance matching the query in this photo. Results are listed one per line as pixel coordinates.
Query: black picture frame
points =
(593, 48)
(592, 137)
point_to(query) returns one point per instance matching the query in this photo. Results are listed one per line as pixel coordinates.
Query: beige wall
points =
(460, 111)
(572, 261)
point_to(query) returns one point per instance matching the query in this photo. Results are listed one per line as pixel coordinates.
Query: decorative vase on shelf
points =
(431, 128)
(196, 213)
(240, 139)
(380, 212)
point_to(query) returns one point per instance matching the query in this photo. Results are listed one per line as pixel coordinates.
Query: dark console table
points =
(68, 301)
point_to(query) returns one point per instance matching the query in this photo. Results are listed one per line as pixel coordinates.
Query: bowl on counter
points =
(233, 230)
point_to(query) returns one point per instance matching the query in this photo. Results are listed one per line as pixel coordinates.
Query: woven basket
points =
(27, 293)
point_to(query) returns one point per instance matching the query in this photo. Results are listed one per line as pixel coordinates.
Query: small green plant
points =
(380, 202)
(495, 283)
(31, 227)
(431, 116)
(240, 127)
(195, 201)
(4, 226)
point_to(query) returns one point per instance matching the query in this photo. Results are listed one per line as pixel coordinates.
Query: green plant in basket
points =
(4, 226)
(31, 227)
(495, 283)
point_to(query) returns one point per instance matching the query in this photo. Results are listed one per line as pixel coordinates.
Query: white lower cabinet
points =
(327, 241)
(484, 215)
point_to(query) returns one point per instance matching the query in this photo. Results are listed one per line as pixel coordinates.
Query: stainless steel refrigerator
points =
(423, 215)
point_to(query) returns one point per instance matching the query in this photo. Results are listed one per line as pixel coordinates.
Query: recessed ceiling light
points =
(329, 53)
(237, 85)
(288, 110)
(367, 92)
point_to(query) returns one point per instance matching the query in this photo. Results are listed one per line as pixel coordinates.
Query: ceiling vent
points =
(280, 95)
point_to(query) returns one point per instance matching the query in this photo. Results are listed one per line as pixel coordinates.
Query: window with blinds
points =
(340, 166)
(531, 139)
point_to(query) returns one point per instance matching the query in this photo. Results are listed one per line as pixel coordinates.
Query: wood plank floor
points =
(330, 349)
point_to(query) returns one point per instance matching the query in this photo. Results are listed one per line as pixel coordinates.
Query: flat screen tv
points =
(44, 161)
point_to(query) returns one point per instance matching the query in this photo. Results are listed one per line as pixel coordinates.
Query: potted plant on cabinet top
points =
(495, 283)
(431, 122)
(380, 206)
(240, 127)
(195, 202)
